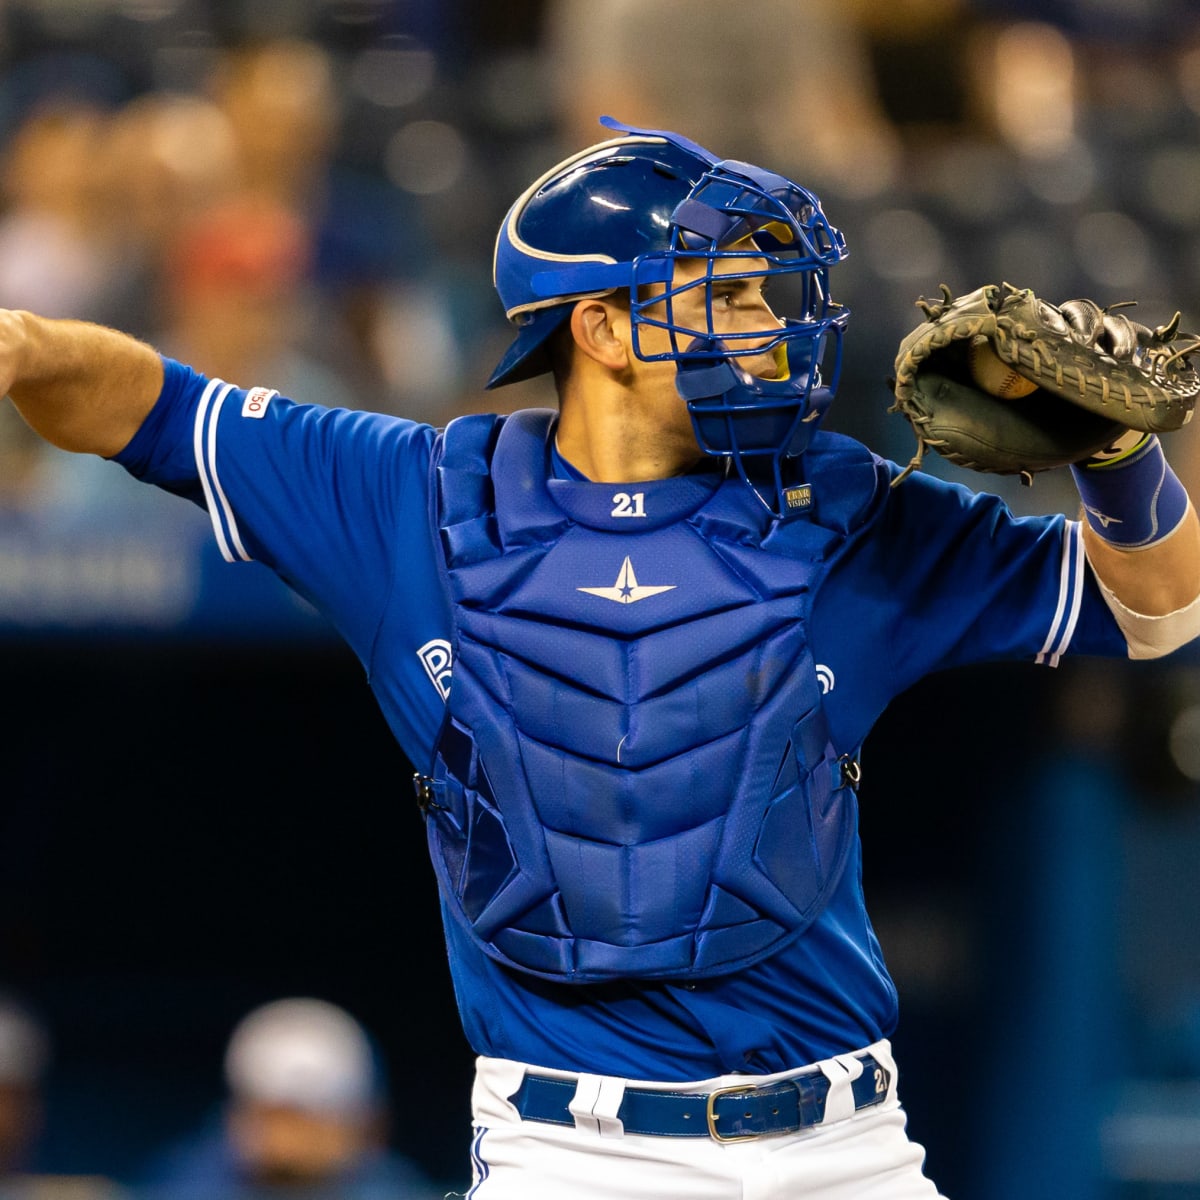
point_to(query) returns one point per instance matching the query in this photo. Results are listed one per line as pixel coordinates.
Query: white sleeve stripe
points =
(197, 451)
(1070, 597)
(1062, 596)
(1079, 559)
(205, 452)
(226, 508)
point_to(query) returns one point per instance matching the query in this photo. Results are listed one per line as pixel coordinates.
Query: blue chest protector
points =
(635, 776)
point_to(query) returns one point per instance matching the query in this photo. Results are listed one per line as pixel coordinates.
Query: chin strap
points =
(748, 421)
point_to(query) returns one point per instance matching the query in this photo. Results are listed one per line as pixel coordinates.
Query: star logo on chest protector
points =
(627, 589)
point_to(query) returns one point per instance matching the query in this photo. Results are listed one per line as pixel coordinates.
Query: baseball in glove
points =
(999, 381)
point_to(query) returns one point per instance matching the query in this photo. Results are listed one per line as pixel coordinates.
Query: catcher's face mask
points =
(699, 244)
(757, 344)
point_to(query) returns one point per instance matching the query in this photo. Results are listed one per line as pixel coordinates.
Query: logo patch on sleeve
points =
(256, 401)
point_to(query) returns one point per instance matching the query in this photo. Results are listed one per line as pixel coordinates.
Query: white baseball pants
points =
(864, 1155)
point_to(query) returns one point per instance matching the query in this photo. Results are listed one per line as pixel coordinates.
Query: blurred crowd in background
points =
(307, 192)
(304, 194)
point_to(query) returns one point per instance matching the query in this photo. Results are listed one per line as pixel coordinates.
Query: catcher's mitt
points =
(1094, 374)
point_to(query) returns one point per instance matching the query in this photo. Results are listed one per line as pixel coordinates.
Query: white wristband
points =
(1152, 637)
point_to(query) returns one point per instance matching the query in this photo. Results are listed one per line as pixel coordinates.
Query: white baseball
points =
(993, 374)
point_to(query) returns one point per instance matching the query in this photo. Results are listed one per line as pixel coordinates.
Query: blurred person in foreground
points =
(25, 1048)
(24, 1058)
(306, 1116)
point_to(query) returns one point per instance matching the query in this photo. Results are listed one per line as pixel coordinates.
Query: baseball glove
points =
(1083, 375)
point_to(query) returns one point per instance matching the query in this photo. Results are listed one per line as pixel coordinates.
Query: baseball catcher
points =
(998, 380)
(634, 644)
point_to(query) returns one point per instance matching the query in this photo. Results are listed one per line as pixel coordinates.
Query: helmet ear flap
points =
(529, 355)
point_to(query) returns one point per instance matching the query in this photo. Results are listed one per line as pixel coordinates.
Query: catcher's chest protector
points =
(635, 776)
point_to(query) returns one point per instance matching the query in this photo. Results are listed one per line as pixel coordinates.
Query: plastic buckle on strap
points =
(427, 791)
(713, 1117)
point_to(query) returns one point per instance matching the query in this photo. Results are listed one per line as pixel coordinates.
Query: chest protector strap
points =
(635, 777)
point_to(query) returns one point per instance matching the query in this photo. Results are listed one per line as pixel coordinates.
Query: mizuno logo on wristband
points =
(1104, 520)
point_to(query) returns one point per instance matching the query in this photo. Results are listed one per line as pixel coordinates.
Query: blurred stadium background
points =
(202, 810)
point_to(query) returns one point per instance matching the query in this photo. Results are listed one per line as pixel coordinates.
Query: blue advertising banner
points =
(93, 551)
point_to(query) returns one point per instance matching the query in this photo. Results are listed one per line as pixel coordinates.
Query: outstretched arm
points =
(80, 386)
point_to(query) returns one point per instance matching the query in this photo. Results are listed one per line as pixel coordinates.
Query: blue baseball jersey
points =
(336, 502)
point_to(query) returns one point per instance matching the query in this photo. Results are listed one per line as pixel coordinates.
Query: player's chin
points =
(765, 367)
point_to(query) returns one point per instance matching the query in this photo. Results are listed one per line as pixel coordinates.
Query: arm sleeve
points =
(1154, 636)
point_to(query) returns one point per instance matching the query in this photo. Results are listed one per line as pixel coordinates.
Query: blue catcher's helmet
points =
(623, 215)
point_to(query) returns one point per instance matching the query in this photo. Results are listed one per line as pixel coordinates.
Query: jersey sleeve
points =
(334, 501)
(977, 584)
(946, 577)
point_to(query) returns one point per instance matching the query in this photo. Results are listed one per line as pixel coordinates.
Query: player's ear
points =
(602, 332)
